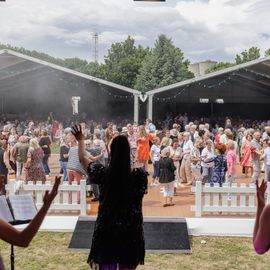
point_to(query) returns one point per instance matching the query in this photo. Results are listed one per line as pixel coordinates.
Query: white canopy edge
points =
(70, 71)
(208, 76)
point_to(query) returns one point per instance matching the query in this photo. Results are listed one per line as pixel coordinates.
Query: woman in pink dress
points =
(245, 150)
(34, 170)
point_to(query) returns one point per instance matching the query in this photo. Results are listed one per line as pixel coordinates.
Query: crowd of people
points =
(117, 163)
(180, 153)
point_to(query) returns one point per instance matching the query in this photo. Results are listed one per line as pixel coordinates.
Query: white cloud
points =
(214, 29)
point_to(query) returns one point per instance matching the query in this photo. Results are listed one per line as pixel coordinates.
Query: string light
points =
(6, 72)
(77, 84)
(257, 73)
(199, 84)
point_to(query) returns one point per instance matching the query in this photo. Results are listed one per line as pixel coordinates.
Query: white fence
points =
(66, 199)
(226, 199)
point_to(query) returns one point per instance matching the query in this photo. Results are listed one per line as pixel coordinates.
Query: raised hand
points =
(261, 192)
(49, 196)
(77, 132)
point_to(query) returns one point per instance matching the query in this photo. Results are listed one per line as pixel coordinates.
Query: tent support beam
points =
(150, 107)
(136, 108)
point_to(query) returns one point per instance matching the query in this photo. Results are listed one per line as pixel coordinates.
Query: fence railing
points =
(69, 197)
(225, 199)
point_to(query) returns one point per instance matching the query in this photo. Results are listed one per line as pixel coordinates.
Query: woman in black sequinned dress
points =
(118, 239)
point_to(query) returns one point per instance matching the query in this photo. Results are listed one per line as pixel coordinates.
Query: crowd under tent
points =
(36, 87)
(239, 91)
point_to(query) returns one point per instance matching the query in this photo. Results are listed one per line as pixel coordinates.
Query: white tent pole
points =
(136, 108)
(150, 107)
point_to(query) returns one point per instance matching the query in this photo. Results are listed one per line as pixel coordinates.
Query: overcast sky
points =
(203, 29)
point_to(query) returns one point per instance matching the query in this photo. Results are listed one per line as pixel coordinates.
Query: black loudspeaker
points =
(164, 235)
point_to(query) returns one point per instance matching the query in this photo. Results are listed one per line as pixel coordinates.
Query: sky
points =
(203, 29)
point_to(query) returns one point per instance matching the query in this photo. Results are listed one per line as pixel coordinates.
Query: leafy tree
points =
(248, 55)
(75, 63)
(94, 69)
(219, 66)
(267, 52)
(35, 54)
(123, 62)
(164, 65)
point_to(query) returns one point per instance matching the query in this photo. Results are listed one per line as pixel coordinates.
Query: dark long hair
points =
(119, 170)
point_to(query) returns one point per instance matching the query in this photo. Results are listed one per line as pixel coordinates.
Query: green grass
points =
(49, 251)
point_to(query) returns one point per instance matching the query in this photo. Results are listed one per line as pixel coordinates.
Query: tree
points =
(248, 55)
(219, 66)
(94, 69)
(164, 65)
(123, 62)
(267, 52)
(35, 54)
(75, 63)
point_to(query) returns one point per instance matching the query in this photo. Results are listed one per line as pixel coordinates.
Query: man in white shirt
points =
(255, 156)
(223, 138)
(266, 134)
(193, 132)
(266, 157)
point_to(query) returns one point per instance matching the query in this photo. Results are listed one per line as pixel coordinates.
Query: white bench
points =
(61, 201)
(226, 199)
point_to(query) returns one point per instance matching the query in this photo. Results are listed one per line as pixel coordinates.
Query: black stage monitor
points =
(163, 235)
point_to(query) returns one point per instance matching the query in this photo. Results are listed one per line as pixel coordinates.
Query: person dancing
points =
(143, 147)
(13, 236)
(118, 239)
(261, 232)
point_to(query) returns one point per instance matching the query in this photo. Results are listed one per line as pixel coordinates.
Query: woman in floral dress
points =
(34, 170)
(220, 165)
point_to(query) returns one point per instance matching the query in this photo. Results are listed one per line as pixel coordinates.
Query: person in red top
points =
(55, 127)
(143, 147)
(246, 153)
(217, 137)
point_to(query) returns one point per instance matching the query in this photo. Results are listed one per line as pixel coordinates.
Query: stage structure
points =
(28, 84)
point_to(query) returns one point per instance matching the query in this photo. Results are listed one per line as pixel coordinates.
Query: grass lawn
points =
(49, 251)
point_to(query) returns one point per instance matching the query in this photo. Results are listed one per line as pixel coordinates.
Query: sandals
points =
(168, 204)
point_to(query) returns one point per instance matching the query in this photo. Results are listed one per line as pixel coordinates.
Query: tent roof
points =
(246, 72)
(20, 64)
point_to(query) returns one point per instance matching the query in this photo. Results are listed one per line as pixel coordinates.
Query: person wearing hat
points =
(124, 131)
(166, 176)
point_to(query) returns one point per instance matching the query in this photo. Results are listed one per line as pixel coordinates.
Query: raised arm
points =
(261, 233)
(77, 132)
(208, 160)
(23, 238)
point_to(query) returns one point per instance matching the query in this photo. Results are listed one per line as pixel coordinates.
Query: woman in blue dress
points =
(220, 165)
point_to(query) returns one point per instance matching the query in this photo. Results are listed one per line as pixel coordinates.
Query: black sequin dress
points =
(118, 236)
